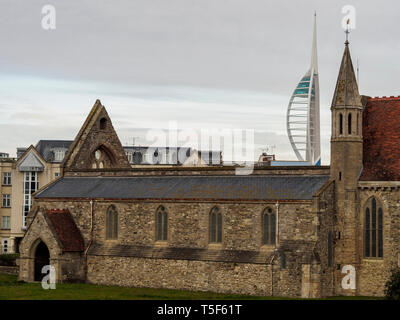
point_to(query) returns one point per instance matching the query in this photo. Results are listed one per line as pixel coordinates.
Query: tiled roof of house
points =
(65, 229)
(293, 187)
(381, 134)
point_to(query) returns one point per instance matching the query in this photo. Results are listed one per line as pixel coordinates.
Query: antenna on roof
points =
(133, 140)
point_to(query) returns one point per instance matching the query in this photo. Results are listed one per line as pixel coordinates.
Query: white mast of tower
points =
(302, 118)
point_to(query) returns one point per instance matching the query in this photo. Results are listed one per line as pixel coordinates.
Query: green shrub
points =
(392, 286)
(8, 259)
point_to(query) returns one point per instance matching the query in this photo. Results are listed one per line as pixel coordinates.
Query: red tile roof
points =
(65, 229)
(381, 134)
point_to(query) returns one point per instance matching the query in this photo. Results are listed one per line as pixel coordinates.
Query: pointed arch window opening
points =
(215, 225)
(112, 223)
(349, 123)
(102, 158)
(340, 124)
(269, 227)
(103, 123)
(162, 224)
(373, 229)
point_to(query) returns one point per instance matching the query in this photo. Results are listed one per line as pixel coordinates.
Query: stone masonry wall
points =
(325, 208)
(180, 274)
(373, 273)
(68, 265)
(188, 224)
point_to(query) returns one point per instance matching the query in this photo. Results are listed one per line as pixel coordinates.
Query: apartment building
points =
(38, 165)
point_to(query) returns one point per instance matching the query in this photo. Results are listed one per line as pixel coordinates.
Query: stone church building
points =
(281, 231)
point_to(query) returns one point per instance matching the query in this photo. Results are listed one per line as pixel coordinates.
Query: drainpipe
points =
(272, 273)
(91, 238)
(277, 224)
(276, 249)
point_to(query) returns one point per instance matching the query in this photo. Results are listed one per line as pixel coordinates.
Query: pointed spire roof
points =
(314, 57)
(346, 91)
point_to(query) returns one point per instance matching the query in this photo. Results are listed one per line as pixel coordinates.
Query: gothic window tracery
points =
(373, 229)
(112, 223)
(162, 224)
(269, 226)
(215, 225)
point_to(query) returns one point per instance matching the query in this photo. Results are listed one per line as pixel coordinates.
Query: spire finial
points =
(347, 32)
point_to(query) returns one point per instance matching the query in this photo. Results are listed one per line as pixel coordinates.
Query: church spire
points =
(346, 92)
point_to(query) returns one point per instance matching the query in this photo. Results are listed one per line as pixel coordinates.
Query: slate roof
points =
(240, 256)
(381, 139)
(46, 147)
(31, 163)
(65, 229)
(293, 187)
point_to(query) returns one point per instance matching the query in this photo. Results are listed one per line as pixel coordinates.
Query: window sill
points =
(215, 246)
(161, 243)
(268, 247)
(6, 185)
(6, 207)
(373, 259)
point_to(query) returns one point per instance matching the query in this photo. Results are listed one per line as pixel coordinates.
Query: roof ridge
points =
(384, 98)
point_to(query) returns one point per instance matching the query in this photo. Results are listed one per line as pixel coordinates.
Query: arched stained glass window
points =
(269, 226)
(112, 223)
(373, 229)
(215, 225)
(162, 224)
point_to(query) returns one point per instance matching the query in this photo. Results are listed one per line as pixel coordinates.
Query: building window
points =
(56, 175)
(130, 156)
(330, 249)
(6, 201)
(112, 223)
(5, 222)
(137, 157)
(162, 224)
(215, 225)
(340, 123)
(7, 178)
(373, 229)
(102, 158)
(349, 123)
(4, 245)
(59, 155)
(148, 157)
(31, 185)
(269, 226)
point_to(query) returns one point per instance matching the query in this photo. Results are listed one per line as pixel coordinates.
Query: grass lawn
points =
(11, 289)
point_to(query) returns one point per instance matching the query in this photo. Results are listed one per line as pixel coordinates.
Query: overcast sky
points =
(201, 63)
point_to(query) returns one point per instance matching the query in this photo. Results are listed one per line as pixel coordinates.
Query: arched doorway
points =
(42, 258)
